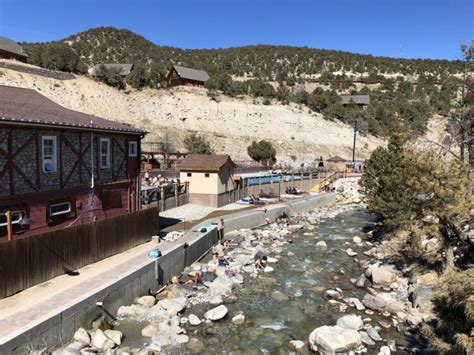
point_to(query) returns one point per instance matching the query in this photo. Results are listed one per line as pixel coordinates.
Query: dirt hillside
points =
(230, 124)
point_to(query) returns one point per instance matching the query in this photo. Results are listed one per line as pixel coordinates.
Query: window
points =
(49, 149)
(206, 175)
(189, 174)
(16, 217)
(59, 209)
(132, 149)
(105, 153)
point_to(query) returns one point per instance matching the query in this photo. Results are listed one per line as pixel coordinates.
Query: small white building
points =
(210, 178)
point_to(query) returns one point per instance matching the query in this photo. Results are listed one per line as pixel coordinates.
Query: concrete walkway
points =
(60, 296)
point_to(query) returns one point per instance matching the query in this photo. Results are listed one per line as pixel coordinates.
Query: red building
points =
(179, 75)
(60, 167)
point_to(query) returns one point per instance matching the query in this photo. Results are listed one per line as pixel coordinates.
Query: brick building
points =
(60, 167)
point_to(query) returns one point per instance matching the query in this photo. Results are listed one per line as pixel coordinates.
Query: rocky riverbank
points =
(373, 299)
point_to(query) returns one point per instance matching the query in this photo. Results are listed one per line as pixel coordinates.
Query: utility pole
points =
(354, 145)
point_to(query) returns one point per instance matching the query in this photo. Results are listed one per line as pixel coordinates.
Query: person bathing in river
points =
(260, 260)
(196, 280)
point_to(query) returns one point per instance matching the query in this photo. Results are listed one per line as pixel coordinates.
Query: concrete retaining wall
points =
(60, 325)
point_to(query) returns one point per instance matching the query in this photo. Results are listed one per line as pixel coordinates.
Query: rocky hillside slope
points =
(230, 124)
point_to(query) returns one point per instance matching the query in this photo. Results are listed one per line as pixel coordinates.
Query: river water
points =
(302, 277)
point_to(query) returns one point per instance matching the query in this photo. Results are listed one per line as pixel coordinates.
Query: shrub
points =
(197, 144)
(261, 150)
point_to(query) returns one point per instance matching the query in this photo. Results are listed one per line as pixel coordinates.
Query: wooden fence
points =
(29, 261)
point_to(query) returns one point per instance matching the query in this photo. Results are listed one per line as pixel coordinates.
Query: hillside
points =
(229, 123)
(401, 90)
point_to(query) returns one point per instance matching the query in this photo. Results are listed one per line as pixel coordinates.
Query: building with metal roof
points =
(359, 100)
(179, 75)
(10, 49)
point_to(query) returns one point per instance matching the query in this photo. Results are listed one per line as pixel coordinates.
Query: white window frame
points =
(14, 221)
(53, 158)
(102, 154)
(132, 152)
(60, 213)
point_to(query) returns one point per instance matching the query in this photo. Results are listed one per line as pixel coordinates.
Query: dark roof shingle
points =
(27, 106)
(204, 162)
(9, 45)
(336, 158)
(191, 74)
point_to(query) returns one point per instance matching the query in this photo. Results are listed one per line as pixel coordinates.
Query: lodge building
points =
(179, 75)
(60, 167)
(11, 50)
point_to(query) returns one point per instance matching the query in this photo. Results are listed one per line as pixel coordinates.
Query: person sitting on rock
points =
(260, 260)
(196, 280)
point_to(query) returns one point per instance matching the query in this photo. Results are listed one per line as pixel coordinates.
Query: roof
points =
(124, 68)
(202, 162)
(358, 99)
(11, 46)
(191, 74)
(26, 106)
(336, 158)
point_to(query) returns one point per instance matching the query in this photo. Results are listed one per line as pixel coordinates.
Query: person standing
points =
(220, 229)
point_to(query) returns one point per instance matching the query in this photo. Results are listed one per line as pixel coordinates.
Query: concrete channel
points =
(136, 277)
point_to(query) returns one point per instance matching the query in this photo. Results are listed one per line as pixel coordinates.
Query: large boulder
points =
(350, 321)
(82, 336)
(101, 341)
(115, 335)
(332, 340)
(382, 274)
(146, 301)
(216, 313)
(386, 301)
(173, 306)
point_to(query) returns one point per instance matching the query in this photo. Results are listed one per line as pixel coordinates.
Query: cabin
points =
(10, 49)
(60, 167)
(179, 75)
(335, 163)
(123, 70)
(210, 178)
(360, 100)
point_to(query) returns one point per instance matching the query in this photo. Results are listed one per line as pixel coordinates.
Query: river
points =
(301, 276)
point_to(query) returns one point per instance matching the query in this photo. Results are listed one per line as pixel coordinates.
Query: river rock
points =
(181, 338)
(77, 345)
(384, 350)
(216, 313)
(350, 321)
(149, 331)
(115, 335)
(356, 303)
(66, 351)
(279, 296)
(83, 336)
(173, 306)
(268, 269)
(296, 345)
(321, 244)
(382, 274)
(384, 301)
(374, 334)
(101, 341)
(333, 294)
(366, 339)
(238, 319)
(357, 240)
(332, 340)
(146, 301)
(361, 281)
(350, 252)
(194, 319)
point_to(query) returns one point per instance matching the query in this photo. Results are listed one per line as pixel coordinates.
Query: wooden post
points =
(9, 225)
(176, 194)
(162, 193)
(271, 183)
(302, 178)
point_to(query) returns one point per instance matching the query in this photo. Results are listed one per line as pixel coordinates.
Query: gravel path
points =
(192, 211)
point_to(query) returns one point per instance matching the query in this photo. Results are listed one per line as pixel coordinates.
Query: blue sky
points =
(407, 28)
